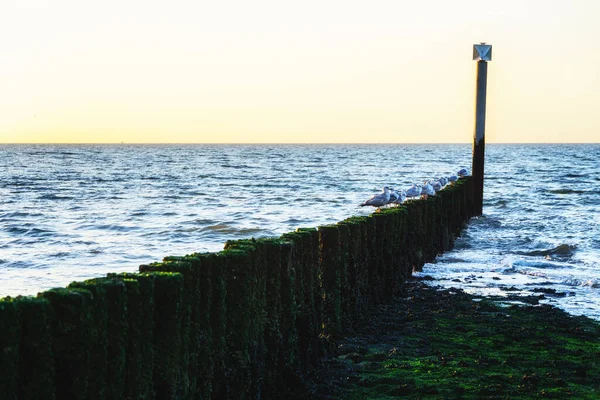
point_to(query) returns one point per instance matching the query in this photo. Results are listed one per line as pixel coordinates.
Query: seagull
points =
(462, 172)
(380, 199)
(443, 181)
(394, 195)
(437, 186)
(452, 178)
(413, 191)
(400, 197)
(427, 190)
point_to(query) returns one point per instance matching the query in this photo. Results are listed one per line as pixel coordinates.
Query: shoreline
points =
(444, 343)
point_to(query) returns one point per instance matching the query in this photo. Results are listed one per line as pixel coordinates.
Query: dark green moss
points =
(107, 337)
(190, 331)
(253, 276)
(139, 351)
(298, 302)
(198, 288)
(72, 322)
(240, 311)
(218, 318)
(304, 274)
(289, 349)
(331, 267)
(98, 338)
(350, 240)
(271, 251)
(9, 343)
(382, 258)
(243, 244)
(442, 345)
(371, 260)
(117, 331)
(392, 210)
(344, 275)
(311, 230)
(168, 312)
(36, 361)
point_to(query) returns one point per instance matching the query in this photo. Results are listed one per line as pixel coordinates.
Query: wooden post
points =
(482, 53)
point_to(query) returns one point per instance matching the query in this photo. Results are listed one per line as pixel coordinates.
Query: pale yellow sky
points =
(142, 71)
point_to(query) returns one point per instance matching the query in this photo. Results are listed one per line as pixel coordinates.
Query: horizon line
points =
(278, 143)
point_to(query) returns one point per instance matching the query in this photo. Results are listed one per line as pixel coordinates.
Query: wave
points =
(294, 220)
(567, 191)
(228, 229)
(451, 260)
(220, 228)
(486, 222)
(501, 203)
(47, 153)
(61, 254)
(564, 251)
(592, 283)
(538, 264)
(35, 232)
(19, 214)
(533, 273)
(52, 196)
(509, 265)
(238, 166)
(108, 227)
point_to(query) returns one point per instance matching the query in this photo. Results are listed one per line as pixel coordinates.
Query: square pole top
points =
(482, 52)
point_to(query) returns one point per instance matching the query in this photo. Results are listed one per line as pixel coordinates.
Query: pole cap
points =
(482, 52)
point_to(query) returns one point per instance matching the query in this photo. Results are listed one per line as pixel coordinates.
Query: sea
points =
(73, 212)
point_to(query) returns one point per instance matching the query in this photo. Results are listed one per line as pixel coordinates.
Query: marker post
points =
(482, 53)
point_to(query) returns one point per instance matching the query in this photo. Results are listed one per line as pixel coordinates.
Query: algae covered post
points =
(482, 53)
(251, 321)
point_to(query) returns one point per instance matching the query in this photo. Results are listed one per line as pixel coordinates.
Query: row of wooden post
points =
(247, 322)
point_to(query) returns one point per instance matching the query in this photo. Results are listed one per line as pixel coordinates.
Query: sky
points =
(266, 71)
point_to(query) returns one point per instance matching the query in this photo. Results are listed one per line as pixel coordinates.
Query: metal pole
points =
(482, 53)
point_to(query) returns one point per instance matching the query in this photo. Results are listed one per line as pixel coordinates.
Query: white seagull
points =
(427, 190)
(379, 200)
(437, 186)
(400, 197)
(452, 178)
(413, 191)
(462, 172)
(394, 196)
(443, 181)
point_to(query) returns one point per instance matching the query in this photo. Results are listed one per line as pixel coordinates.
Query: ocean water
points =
(72, 212)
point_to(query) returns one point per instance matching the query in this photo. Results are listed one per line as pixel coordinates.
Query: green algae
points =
(443, 345)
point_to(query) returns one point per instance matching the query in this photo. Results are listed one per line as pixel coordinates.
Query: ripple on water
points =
(20, 231)
(151, 200)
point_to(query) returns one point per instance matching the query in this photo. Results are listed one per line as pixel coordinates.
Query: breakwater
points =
(246, 322)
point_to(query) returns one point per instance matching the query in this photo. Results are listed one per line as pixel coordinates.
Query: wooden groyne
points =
(247, 322)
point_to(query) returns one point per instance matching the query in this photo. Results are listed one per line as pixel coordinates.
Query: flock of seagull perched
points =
(429, 188)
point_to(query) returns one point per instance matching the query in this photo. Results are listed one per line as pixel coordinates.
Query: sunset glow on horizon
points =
(281, 72)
